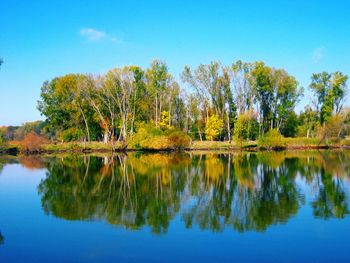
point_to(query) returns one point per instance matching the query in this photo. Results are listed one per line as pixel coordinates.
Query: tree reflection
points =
(2, 239)
(248, 192)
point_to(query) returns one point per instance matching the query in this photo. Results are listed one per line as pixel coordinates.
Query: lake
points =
(288, 206)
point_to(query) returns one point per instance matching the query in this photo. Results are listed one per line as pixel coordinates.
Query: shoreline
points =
(107, 148)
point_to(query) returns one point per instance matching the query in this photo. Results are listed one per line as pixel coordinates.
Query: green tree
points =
(330, 90)
(63, 105)
(212, 84)
(276, 93)
(2, 137)
(158, 81)
(246, 127)
(308, 123)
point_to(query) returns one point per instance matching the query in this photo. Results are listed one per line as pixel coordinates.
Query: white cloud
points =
(92, 34)
(318, 54)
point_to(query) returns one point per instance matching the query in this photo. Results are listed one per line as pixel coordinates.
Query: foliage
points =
(213, 127)
(164, 120)
(290, 127)
(109, 106)
(246, 127)
(336, 126)
(308, 123)
(277, 93)
(330, 90)
(71, 134)
(149, 137)
(32, 143)
(272, 140)
(2, 137)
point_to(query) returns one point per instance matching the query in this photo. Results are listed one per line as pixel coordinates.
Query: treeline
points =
(214, 102)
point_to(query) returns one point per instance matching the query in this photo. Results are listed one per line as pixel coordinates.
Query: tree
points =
(246, 127)
(330, 90)
(241, 86)
(164, 120)
(158, 81)
(121, 86)
(64, 105)
(2, 137)
(276, 94)
(212, 85)
(308, 123)
(213, 127)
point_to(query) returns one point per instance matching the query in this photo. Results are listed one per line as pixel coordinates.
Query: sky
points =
(40, 40)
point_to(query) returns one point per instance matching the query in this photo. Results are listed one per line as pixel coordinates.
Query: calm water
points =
(252, 207)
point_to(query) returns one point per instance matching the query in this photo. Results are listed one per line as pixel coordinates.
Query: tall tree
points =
(241, 86)
(276, 94)
(158, 81)
(330, 90)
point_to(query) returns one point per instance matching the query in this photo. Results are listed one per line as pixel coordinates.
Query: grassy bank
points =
(270, 144)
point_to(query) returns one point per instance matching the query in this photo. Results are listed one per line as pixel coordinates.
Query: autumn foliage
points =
(32, 143)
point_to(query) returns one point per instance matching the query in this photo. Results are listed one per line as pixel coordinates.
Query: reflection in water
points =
(2, 239)
(247, 192)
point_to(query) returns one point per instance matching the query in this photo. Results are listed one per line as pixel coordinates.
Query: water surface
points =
(176, 207)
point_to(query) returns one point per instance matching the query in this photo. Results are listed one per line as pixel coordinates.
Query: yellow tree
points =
(164, 122)
(213, 127)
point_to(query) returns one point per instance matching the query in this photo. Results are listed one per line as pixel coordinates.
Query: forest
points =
(148, 108)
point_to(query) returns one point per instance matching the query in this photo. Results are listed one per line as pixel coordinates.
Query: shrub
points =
(32, 143)
(272, 140)
(71, 134)
(178, 139)
(149, 137)
(2, 137)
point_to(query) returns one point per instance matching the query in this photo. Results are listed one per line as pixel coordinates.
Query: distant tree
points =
(276, 95)
(241, 86)
(308, 123)
(212, 84)
(2, 137)
(289, 127)
(159, 82)
(330, 90)
(246, 127)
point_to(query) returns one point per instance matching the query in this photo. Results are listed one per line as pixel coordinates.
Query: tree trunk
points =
(228, 127)
(105, 137)
(156, 117)
(86, 123)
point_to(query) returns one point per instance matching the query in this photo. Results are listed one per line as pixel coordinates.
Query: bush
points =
(71, 134)
(178, 139)
(2, 137)
(32, 143)
(149, 137)
(272, 140)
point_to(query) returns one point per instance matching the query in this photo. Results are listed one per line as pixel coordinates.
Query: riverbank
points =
(14, 148)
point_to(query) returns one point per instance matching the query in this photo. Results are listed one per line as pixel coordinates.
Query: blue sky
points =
(43, 39)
